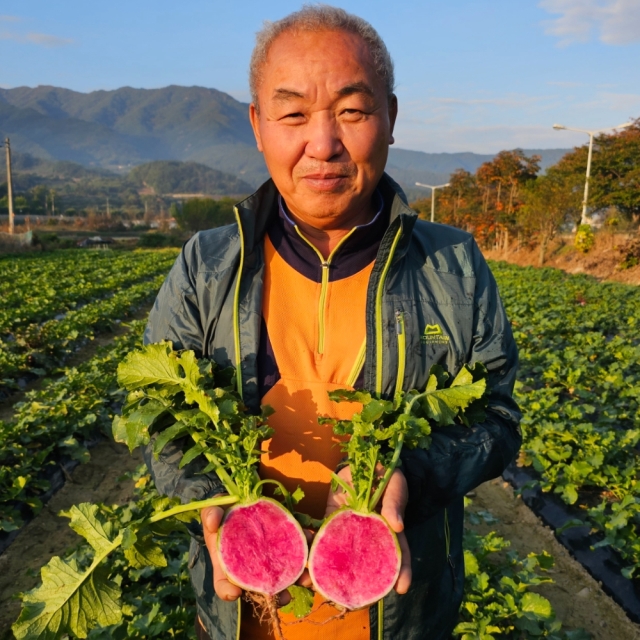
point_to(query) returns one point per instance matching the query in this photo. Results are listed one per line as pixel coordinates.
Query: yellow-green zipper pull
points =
(402, 346)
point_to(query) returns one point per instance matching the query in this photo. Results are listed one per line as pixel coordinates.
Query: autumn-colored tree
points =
(456, 204)
(547, 202)
(500, 182)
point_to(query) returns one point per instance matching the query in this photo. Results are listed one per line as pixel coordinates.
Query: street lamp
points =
(584, 219)
(433, 195)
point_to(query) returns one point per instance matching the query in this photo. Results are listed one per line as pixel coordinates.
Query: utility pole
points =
(7, 145)
(108, 210)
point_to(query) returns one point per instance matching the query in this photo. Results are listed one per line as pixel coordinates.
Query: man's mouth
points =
(324, 181)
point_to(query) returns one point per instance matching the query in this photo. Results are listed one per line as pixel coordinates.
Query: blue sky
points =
(479, 75)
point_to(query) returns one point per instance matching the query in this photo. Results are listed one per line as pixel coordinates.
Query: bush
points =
(630, 254)
(585, 238)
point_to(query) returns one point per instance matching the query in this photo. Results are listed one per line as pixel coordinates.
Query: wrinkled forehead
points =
(298, 61)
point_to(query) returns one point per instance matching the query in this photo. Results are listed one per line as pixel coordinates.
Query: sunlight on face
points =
(324, 124)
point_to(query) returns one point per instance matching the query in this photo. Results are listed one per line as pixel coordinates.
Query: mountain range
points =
(125, 127)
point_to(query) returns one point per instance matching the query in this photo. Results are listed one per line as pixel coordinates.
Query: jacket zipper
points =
(236, 311)
(324, 283)
(447, 544)
(402, 346)
(357, 365)
(378, 311)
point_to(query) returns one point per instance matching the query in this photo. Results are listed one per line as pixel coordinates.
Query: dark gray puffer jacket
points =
(434, 278)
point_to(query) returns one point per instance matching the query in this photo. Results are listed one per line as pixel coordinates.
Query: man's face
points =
(324, 124)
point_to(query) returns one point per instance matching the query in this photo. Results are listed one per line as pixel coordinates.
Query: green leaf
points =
(153, 364)
(444, 405)
(68, 602)
(132, 428)
(87, 522)
(145, 552)
(538, 606)
(301, 601)
(176, 430)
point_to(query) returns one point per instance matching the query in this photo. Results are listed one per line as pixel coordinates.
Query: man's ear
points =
(393, 114)
(254, 118)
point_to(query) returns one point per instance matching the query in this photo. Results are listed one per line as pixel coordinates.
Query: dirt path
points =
(577, 599)
(48, 535)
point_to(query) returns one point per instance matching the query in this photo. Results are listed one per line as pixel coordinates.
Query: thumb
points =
(211, 518)
(394, 501)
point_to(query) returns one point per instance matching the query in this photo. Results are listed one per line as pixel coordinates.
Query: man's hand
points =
(394, 503)
(211, 519)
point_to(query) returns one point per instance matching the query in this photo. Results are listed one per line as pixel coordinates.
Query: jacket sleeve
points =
(461, 458)
(175, 316)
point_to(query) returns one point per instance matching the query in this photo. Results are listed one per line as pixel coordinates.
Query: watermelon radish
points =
(262, 547)
(355, 557)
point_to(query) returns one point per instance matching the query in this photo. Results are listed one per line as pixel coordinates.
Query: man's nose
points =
(323, 137)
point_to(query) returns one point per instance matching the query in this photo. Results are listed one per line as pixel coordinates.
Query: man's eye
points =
(293, 116)
(352, 114)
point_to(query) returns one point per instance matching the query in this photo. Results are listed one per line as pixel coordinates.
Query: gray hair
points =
(320, 17)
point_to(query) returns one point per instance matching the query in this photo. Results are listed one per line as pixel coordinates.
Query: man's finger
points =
(338, 498)
(394, 501)
(211, 519)
(404, 578)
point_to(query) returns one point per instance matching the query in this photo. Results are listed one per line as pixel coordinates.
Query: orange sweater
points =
(316, 333)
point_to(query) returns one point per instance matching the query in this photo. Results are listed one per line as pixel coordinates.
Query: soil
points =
(576, 597)
(48, 534)
(601, 262)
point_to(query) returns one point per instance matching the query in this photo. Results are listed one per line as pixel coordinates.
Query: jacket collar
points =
(258, 211)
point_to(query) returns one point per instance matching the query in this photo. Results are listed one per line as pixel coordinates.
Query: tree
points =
(547, 202)
(615, 172)
(198, 214)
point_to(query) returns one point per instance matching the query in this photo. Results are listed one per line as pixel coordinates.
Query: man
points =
(328, 281)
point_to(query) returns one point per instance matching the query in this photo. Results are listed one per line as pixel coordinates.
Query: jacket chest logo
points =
(433, 335)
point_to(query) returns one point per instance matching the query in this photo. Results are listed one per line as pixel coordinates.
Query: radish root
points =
(266, 609)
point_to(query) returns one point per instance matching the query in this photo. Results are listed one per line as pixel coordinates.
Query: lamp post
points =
(433, 195)
(7, 145)
(584, 219)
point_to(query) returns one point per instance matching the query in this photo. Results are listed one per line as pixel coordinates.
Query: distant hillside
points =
(126, 127)
(168, 177)
(79, 187)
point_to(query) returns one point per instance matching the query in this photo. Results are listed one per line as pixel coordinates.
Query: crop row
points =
(35, 288)
(579, 390)
(39, 348)
(53, 423)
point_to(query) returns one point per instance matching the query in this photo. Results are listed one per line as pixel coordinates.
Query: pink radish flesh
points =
(261, 547)
(354, 559)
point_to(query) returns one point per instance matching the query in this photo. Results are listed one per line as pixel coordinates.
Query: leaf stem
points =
(388, 473)
(216, 501)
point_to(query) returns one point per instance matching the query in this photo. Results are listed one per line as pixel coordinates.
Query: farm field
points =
(579, 388)
(53, 304)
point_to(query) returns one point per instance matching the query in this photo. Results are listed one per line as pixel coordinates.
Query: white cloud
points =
(614, 22)
(479, 139)
(40, 39)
